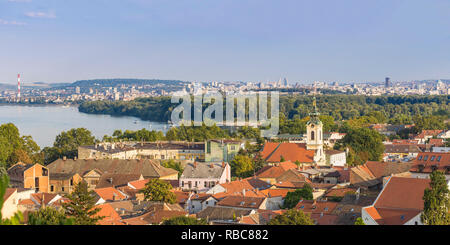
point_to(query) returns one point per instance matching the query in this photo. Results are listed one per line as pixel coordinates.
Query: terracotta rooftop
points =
(110, 194)
(272, 152)
(425, 162)
(399, 201)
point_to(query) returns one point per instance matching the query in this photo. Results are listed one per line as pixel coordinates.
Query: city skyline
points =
(49, 41)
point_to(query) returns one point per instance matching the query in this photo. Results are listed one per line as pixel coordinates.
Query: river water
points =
(44, 123)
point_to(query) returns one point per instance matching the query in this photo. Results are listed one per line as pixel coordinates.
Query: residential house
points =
(238, 187)
(29, 176)
(64, 183)
(243, 202)
(198, 202)
(427, 162)
(396, 152)
(155, 214)
(271, 172)
(93, 170)
(10, 203)
(201, 177)
(160, 150)
(399, 203)
(370, 174)
(336, 158)
(110, 194)
(224, 215)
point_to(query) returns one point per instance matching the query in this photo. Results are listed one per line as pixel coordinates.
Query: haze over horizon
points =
(235, 40)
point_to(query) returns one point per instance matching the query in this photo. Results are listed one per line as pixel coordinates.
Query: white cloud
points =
(41, 15)
(11, 22)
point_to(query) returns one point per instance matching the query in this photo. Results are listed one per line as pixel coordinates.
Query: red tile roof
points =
(138, 184)
(272, 152)
(399, 201)
(111, 217)
(242, 202)
(275, 192)
(426, 161)
(316, 207)
(110, 194)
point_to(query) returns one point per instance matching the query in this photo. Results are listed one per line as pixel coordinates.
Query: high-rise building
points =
(387, 82)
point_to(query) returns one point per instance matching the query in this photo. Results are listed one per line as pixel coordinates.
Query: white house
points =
(399, 203)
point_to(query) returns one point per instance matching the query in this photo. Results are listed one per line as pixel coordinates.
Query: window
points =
(425, 158)
(205, 184)
(62, 188)
(71, 182)
(233, 147)
(420, 158)
(432, 158)
(438, 158)
(52, 188)
(312, 135)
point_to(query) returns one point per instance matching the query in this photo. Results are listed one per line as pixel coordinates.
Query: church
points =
(309, 153)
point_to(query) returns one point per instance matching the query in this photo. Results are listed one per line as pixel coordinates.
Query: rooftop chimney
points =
(195, 164)
(64, 158)
(211, 165)
(223, 164)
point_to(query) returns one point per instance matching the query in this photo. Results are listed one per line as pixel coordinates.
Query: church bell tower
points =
(314, 131)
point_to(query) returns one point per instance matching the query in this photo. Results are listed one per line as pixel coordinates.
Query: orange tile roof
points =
(324, 219)
(272, 152)
(313, 206)
(26, 202)
(43, 197)
(275, 192)
(138, 184)
(110, 194)
(111, 217)
(425, 161)
(241, 202)
(248, 184)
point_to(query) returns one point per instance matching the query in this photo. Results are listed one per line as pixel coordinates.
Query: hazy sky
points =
(223, 40)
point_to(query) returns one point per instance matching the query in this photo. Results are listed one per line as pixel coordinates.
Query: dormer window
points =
(434, 167)
(425, 158)
(432, 158)
(438, 159)
(420, 158)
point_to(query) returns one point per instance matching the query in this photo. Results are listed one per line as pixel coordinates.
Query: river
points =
(44, 123)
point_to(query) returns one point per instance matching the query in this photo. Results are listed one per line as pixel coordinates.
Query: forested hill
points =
(397, 109)
(118, 82)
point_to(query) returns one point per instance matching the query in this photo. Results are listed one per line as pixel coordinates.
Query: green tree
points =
(183, 220)
(292, 198)
(365, 145)
(81, 205)
(66, 144)
(359, 221)
(174, 165)
(17, 218)
(158, 191)
(14, 148)
(292, 217)
(49, 216)
(436, 201)
(242, 166)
